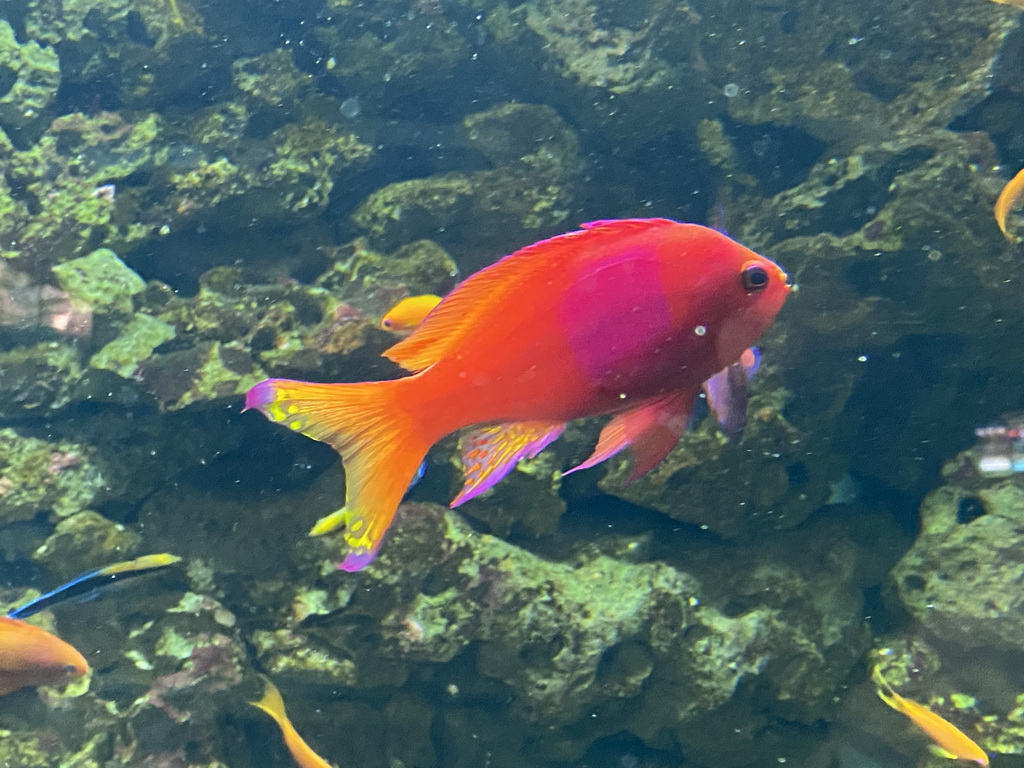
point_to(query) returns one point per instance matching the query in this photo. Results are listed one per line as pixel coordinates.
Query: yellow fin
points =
(329, 523)
(935, 749)
(301, 752)
(379, 444)
(885, 691)
(271, 703)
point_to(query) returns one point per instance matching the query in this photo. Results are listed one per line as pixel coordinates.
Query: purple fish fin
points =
(356, 560)
(728, 390)
(651, 430)
(490, 453)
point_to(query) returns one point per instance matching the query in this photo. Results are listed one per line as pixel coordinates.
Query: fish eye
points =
(755, 277)
(386, 323)
(70, 669)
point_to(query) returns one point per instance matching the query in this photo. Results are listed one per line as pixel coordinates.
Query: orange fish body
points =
(409, 313)
(273, 705)
(1008, 199)
(626, 317)
(30, 656)
(949, 740)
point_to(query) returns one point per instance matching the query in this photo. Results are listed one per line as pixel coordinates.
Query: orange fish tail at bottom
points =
(380, 446)
(273, 705)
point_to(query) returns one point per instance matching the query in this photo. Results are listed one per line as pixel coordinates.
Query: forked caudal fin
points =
(379, 446)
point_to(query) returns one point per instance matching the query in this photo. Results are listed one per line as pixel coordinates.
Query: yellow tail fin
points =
(885, 691)
(272, 703)
(379, 445)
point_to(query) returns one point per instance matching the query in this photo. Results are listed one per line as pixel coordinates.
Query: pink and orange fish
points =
(623, 317)
(30, 656)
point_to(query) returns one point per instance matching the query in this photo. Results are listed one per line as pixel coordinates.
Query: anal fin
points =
(490, 453)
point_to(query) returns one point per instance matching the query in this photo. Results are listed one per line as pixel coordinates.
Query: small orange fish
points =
(273, 705)
(407, 314)
(1014, 3)
(30, 656)
(1009, 196)
(949, 740)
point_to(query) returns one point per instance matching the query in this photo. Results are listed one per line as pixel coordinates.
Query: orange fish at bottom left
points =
(30, 656)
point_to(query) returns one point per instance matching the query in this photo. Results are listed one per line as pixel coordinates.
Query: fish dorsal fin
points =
(462, 309)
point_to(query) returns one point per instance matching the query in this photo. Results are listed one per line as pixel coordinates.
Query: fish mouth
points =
(790, 284)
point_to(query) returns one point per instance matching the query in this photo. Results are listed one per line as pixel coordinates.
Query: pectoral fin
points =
(728, 390)
(651, 431)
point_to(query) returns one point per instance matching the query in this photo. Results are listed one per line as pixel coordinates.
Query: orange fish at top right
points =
(1011, 193)
(1014, 3)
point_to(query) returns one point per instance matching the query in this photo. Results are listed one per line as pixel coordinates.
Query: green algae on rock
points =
(35, 72)
(37, 475)
(136, 343)
(25, 750)
(84, 541)
(953, 580)
(102, 281)
(525, 502)
(568, 639)
(532, 186)
(736, 489)
(358, 273)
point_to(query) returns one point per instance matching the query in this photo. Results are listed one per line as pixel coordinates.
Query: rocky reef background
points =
(197, 194)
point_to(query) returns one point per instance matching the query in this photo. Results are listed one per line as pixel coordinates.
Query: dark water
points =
(198, 195)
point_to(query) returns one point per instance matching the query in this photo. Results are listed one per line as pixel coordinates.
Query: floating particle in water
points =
(350, 108)
(731, 91)
(105, 192)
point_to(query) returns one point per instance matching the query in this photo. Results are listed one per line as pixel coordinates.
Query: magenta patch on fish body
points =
(615, 314)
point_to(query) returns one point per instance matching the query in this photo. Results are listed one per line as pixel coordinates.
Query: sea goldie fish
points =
(409, 313)
(273, 705)
(1010, 195)
(949, 741)
(622, 317)
(30, 656)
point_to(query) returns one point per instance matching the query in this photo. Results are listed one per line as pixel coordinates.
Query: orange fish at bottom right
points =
(1008, 199)
(949, 741)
